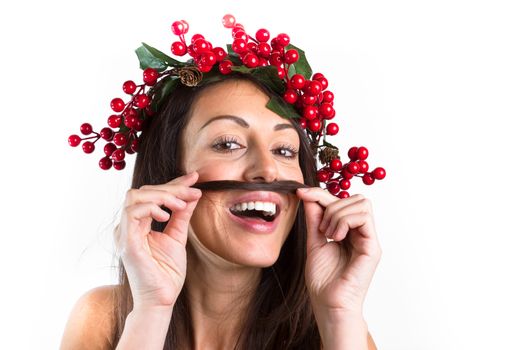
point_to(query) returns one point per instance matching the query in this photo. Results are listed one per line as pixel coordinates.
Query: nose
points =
(261, 166)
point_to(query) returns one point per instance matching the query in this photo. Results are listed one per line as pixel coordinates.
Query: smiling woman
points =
(223, 268)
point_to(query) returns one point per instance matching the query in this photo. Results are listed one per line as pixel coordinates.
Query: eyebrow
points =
(243, 122)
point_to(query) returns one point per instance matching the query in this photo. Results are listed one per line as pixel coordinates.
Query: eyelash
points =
(228, 139)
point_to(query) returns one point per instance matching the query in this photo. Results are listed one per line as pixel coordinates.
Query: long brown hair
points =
(280, 315)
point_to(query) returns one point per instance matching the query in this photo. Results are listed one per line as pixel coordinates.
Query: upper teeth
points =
(269, 208)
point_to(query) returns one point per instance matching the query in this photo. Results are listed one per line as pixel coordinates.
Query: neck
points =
(219, 294)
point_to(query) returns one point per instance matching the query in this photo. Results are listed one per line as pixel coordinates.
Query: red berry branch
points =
(305, 96)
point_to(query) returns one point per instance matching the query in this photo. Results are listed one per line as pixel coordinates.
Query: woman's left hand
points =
(339, 272)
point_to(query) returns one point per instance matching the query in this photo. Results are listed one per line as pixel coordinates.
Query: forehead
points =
(234, 97)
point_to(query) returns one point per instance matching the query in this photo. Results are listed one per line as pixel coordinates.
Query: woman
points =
(246, 267)
(210, 280)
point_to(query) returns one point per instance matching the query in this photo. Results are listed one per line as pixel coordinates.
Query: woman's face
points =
(231, 135)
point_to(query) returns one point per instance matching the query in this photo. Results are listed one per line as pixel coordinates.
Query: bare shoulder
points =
(91, 321)
(370, 343)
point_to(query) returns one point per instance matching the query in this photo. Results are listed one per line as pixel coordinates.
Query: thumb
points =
(314, 214)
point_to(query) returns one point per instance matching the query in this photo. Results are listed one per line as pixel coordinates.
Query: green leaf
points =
(268, 76)
(167, 87)
(242, 69)
(301, 66)
(291, 71)
(282, 108)
(150, 57)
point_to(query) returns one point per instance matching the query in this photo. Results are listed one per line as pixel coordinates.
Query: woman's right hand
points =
(155, 262)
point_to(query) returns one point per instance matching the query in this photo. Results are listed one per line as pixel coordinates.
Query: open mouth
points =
(266, 211)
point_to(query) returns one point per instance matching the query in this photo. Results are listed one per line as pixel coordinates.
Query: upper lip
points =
(258, 196)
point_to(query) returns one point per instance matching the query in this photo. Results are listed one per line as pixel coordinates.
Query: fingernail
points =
(303, 189)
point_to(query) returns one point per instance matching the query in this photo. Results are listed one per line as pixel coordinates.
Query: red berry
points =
(352, 153)
(228, 21)
(310, 112)
(264, 50)
(88, 147)
(283, 39)
(177, 28)
(276, 59)
(117, 105)
(86, 129)
(320, 78)
(302, 123)
(363, 166)
(225, 67)
(130, 121)
(262, 35)
(208, 59)
(346, 173)
(74, 140)
(328, 96)
(343, 194)
(179, 48)
(308, 99)
(362, 153)
(344, 184)
(336, 164)
(109, 148)
(196, 37)
(150, 76)
(106, 134)
(138, 124)
(120, 139)
(203, 68)
(119, 165)
(220, 54)
(297, 81)
(241, 34)
(379, 173)
(314, 88)
(114, 121)
(332, 129)
(129, 87)
(333, 187)
(186, 26)
(200, 46)
(142, 101)
(118, 155)
(314, 125)
(263, 62)
(290, 96)
(368, 179)
(239, 46)
(291, 56)
(250, 60)
(135, 145)
(353, 168)
(322, 176)
(326, 110)
(105, 163)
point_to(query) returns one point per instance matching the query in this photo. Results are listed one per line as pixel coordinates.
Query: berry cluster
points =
(337, 175)
(307, 95)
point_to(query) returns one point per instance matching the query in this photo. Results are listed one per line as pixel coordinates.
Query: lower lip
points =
(255, 225)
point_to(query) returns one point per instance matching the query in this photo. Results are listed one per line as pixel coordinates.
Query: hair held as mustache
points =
(286, 186)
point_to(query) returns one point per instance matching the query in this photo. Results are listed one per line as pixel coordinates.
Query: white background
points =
(434, 89)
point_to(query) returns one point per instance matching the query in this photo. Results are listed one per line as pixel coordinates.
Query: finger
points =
(314, 214)
(351, 209)
(348, 222)
(156, 196)
(177, 226)
(316, 194)
(179, 187)
(335, 207)
(134, 217)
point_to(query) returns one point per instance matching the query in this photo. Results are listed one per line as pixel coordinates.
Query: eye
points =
(286, 151)
(227, 144)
